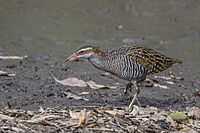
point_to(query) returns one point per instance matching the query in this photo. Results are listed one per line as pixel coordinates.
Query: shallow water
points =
(48, 31)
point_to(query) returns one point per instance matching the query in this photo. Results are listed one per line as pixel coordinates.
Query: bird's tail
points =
(176, 61)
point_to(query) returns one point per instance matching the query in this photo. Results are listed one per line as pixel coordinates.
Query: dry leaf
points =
(37, 119)
(74, 115)
(94, 85)
(193, 112)
(13, 129)
(41, 109)
(6, 117)
(72, 81)
(76, 97)
(44, 123)
(135, 110)
(121, 112)
(111, 112)
(81, 116)
(149, 110)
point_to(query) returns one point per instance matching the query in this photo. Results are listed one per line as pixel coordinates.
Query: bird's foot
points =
(133, 110)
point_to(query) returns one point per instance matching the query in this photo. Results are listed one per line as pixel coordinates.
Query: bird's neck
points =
(99, 60)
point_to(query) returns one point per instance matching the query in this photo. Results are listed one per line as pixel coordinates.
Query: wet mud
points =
(48, 31)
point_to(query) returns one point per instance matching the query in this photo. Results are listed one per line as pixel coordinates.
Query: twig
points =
(4, 73)
(18, 130)
(6, 117)
(13, 57)
(118, 124)
(41, 118)
(104, 129)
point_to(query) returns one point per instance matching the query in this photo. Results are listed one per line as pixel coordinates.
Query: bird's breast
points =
(122, 67)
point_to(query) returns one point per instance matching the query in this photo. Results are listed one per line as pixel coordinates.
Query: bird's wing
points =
(153, 61)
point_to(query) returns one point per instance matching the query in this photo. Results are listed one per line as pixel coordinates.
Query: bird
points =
(129, 62)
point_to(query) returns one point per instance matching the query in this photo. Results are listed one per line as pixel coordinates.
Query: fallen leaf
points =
(44, 123)
(178, 126)
(81, 116)
(111, 112)
(179, 116)
(185, 129)
(37, 119)
(6, 117)
(72, 81)
(121, 112)
(74, 96)
(74, 115)
(94, 85)
(193, 112)
(149, 110)
(86, 130)
(13, 129)
(41, 109)
(135, 110)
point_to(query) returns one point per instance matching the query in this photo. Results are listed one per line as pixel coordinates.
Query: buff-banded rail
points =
(128, 62)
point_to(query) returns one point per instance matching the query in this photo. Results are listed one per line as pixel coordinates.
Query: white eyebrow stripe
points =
(88, 48)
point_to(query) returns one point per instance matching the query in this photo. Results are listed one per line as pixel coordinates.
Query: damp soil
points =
(49, 31)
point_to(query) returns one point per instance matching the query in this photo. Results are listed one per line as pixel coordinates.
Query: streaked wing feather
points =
(153, 61)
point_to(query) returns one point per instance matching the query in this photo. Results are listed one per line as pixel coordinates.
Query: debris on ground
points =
(73, 81)
(98, 119)
(94, 85)
(4, 73)
(13, 57)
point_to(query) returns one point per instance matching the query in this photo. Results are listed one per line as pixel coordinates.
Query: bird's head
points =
(86, 52)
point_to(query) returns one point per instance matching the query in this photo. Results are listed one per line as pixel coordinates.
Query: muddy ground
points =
(48, 31)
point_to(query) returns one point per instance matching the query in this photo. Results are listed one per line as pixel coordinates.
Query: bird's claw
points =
(134, 110)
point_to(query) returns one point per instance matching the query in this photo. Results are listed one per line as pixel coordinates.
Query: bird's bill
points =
(72, 57)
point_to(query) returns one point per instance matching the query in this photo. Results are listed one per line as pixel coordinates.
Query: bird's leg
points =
(135, 96)
(128, 88)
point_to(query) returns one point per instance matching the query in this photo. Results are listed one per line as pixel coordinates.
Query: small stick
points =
(13, 57)
(3, 73)
(104, 129)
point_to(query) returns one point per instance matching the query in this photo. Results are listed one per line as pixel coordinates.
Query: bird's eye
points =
(81, 52)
